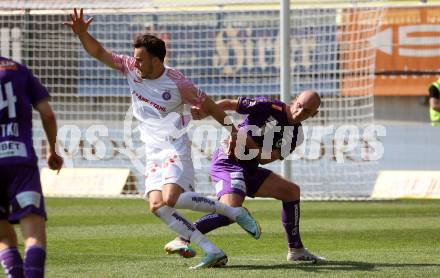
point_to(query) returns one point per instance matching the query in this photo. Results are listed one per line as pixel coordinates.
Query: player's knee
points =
(169, 201)
(170, 197)
(294, 192)
(33, 229)
(171, 194)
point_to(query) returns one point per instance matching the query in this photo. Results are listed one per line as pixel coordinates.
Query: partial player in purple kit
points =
(246, 177)
(21, 199)
(276, 128)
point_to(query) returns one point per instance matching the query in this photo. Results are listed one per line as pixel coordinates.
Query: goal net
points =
(228, 48)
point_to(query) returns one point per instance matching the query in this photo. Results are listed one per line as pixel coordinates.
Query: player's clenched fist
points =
(78, 24)
(54, 161)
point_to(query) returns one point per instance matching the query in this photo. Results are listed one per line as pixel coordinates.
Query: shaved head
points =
(304, 106)
(311, 99)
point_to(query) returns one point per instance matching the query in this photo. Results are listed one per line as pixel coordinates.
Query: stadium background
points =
(117, 237)
(85, 93)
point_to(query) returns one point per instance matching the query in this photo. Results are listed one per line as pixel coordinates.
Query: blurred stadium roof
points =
(184, 4)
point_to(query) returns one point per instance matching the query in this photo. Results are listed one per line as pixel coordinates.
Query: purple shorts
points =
(20, 192)
(231, 176)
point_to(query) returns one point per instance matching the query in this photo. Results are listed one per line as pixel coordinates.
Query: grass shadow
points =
(330, 266)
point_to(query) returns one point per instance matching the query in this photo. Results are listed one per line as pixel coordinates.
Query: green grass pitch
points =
(119, 238)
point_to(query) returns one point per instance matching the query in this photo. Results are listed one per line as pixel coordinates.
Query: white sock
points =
(204, 243)
(198, 202)
(183, 227)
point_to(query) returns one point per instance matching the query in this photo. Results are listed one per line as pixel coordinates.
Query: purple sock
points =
(290, 218)
(34, 259)
(211, 222)
(12, 262)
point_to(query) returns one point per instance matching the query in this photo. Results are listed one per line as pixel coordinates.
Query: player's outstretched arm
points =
(218, 113)
(227, 104)
(80, 26)
(231, 105)
(48, 119)
(216, 109)
(209, 107)
(224, 104)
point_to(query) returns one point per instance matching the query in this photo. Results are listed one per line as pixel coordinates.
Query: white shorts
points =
(177, 169)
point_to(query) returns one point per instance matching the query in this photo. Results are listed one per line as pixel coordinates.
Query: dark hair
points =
(153, 45)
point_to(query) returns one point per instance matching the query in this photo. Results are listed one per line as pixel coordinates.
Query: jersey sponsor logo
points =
(166, 95)
(12, 149)
(151, 103)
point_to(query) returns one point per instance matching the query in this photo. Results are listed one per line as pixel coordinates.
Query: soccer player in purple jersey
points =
(238, 177)
(21, 199)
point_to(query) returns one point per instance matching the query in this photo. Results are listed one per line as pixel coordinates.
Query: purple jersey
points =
(19, 91)
(267, 114)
